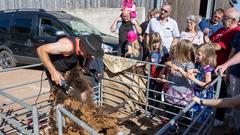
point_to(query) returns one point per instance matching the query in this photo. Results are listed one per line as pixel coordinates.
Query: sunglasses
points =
(227, 18)
(217, 17)
(164, 10)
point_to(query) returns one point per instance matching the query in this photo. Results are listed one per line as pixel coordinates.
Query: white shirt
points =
(167, 30)
(196, 39)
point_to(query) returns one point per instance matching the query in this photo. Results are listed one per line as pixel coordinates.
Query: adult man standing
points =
(221, 40)
(223, 37)
(122, 25)
(210, 26)
(165, 26)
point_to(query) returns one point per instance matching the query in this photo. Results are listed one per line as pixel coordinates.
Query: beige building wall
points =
(102, 18)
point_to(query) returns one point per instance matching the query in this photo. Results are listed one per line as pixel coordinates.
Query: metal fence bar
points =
(59, 120)
(194, 121)
(201, 128)
(173, 120)
(181, 113)
(22, 113)
(148, 85)
(218, 87)
(16, 100)
(35, 120)
(24, 99)
(22, 84)
(72, 117)
(32, 108)
(128, 84)
(101, 92)
(208, 126)
(145, 96)
(14, 130)
(16, 124)
(22, 67)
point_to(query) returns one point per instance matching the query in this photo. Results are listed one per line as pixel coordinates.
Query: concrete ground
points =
(13, 78)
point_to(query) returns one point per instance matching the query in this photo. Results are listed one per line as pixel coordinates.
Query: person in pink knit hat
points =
(133, 48)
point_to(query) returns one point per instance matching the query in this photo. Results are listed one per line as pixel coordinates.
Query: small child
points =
(205, 63)
(157, 55)
(182, 59)
(130, 5)
(133, 48)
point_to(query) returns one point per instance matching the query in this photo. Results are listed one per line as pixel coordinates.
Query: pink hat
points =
(131, 36)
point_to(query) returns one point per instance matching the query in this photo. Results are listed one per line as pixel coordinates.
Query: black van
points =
(23, 30)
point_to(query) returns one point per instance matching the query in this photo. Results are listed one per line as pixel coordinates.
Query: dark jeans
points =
(153, 85)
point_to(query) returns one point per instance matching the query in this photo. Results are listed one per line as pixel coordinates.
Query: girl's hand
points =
(164, 80)
(196, 99)
(173, 71)
(190, 76)
(161, 80)
(175, 67)
(193, 71)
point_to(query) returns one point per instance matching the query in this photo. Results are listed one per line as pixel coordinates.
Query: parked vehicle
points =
(23, 30)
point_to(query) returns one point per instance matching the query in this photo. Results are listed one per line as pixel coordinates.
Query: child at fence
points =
(130, 5)
(205, 63)
(179, 92)
(157, 55)
(133, 48)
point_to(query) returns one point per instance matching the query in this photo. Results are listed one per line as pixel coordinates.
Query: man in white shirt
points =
(165, 26)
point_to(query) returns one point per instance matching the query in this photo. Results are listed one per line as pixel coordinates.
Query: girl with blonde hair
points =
(181, 88)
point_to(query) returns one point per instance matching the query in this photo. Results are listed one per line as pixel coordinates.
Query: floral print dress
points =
(202, 93)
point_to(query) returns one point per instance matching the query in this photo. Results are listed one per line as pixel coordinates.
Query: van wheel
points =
(6, 60)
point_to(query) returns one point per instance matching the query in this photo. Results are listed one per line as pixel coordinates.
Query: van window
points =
(49, 28)
(22, 26)
(80, 27)
(4, 25)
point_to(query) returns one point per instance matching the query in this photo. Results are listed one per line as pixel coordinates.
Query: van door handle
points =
(41, 41)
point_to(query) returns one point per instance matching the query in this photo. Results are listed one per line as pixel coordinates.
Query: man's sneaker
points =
(218, 123)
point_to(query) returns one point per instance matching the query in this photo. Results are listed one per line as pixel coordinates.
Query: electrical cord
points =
(41, 84)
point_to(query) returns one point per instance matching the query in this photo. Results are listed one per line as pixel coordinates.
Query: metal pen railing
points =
(167, 126)
(100, 100)
(61, 110)
(33, 109)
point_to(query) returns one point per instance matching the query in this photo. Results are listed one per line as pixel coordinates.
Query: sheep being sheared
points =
(80, 103)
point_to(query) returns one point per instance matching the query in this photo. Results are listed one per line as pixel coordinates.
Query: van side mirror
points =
(60, 34)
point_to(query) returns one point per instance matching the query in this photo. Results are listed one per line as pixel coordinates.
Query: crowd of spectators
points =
(190, 56)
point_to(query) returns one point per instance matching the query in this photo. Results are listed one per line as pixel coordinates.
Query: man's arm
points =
(64, 47)
(175, 34)
(174, 42)
(137, 26)
(232, 102)
(234, 60)
(147, 39)
(217, 46)
(114, 24)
